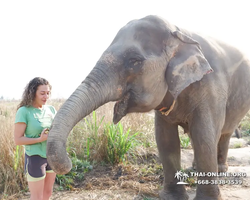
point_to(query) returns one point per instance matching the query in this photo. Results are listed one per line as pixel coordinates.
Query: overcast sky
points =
(62, 40)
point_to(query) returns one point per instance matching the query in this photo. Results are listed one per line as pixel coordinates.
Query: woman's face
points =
(42, 95)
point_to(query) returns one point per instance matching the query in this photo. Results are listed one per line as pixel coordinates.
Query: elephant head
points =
(147, 58)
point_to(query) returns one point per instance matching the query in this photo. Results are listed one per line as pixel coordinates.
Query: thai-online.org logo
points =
(181, 177)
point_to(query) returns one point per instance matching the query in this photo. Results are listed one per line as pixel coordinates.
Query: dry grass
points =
(11, 172)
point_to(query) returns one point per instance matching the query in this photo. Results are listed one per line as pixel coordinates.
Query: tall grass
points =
(88, 141)
(245, 125)
(12, 179)
(93, 127)
(119, 142)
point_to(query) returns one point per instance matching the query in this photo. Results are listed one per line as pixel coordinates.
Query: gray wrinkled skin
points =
(149, 65)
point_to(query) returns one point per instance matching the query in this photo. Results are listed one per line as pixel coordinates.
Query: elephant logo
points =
(182, 177)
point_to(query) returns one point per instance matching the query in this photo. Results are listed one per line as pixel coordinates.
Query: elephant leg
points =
(222, 152)
(204, 133)
(168, 144)
(238, 133)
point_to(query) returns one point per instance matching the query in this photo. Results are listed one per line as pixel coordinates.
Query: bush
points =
(119, 142)
(79, 168)
(184, 141)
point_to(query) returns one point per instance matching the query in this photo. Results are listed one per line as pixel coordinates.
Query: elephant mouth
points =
(121, 108)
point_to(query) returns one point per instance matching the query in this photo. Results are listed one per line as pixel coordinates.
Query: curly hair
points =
(29, 93)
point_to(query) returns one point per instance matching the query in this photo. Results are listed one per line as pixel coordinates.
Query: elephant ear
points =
(187, 65)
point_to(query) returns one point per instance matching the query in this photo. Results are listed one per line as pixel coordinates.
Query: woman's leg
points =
(36, 173)
(48, 184)
(36, 189)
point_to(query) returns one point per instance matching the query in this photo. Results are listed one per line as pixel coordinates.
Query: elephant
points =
(238, 132)
(223, 168)
(188, 79)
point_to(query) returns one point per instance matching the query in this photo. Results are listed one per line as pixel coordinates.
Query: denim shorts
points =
(36, 167)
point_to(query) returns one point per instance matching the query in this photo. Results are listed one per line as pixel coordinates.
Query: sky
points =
(62, 40)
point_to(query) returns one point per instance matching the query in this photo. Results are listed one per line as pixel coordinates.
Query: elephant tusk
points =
(166, 113)
(164, 108)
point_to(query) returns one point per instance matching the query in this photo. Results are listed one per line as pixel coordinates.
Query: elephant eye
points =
(135, 61)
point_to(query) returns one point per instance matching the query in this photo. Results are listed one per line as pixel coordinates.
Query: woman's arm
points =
(20, 139)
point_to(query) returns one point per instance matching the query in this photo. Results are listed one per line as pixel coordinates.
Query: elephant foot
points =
(194, 165)
(208, 192)
(167, 195)
(222, 167)
(208, 198)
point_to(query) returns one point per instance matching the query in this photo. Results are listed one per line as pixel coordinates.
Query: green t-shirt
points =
(36, 120)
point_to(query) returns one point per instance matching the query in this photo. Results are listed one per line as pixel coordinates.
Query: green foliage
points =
(245, 125)
(93, 127)
(79, 168)
(191, 180)
(237, 145)
(151, 169)
(184, 140)
(18, 153)
(119, 142)
(245, 129)
(104, 142)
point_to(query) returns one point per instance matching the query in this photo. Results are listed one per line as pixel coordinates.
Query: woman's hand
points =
(44, 134)
(20, 139)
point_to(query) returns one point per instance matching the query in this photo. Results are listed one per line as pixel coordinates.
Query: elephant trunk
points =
(92, 93)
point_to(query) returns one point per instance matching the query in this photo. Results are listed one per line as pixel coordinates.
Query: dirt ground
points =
(128, 182)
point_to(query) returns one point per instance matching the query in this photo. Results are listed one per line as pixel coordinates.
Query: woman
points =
(33, 118)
